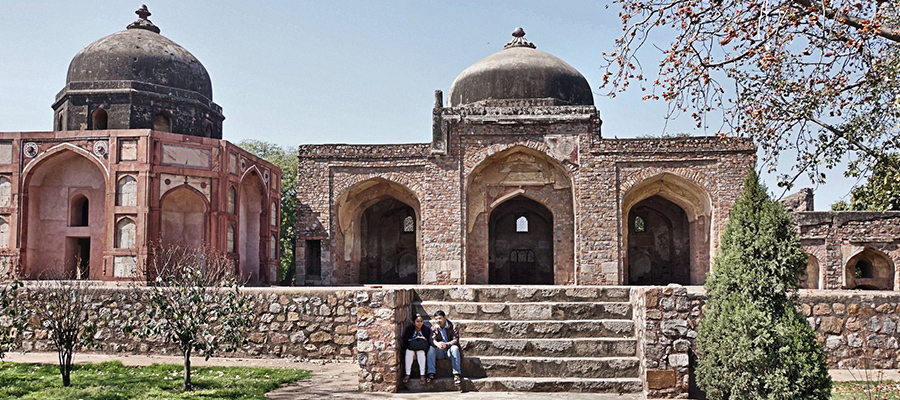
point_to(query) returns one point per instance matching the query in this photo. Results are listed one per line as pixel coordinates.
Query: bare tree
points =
(194, 301)
(820, 77)
(11, 318)
(63, 308)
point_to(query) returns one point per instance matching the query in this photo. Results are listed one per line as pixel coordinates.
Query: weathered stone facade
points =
(553, 156)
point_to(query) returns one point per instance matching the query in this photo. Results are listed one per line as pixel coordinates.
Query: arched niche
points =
(65, 222)
(521, 243)
(510, 174)
(376, 247)
(183, 217)
(810, 278)
(677, 215)
(99, 119)
(869, 269)
(251, 229)
(126, 191)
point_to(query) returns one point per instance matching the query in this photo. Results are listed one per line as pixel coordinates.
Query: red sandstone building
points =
(518, 186)
(136, 158)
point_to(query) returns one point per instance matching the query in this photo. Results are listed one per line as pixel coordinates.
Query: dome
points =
(140, 54)
(520, 73)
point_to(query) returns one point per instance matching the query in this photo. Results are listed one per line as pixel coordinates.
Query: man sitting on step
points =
(445, 345)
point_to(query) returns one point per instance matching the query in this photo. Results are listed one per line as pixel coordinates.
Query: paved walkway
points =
(338, 380)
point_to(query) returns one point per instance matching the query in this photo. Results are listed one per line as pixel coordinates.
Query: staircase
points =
(536, 338)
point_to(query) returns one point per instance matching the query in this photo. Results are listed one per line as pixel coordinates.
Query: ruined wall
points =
(857, 330)
(307, 323)
(835, 238)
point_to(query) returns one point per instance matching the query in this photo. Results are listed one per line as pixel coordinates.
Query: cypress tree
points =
(753, 343)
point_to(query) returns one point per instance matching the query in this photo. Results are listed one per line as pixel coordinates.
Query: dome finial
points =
(142, 22)
(143, 12)
(519, 40)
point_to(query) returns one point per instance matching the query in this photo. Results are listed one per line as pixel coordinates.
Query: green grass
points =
(114, 381)
(863, 390)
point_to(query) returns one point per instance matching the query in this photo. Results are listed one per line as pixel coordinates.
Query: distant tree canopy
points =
(286, 159)
(881, 192)
(822, 77)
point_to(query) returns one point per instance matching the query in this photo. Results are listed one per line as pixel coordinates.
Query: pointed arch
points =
(869, 269)
(56, 244)
(369, 231)
(519, 172)
(183, 217)
(674, 244)
(251, 238)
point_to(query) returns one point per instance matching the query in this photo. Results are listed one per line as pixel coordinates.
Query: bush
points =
(752, 342)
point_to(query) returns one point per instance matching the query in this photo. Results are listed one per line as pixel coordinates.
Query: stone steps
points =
(581, 347)
(545, 329)
(557, 311)
(536, 338)
(510, 384)
(527, 294)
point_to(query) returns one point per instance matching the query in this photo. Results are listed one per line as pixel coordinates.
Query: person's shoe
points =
(430, 378)
(457, 380)
(422, 378)
(406, 379)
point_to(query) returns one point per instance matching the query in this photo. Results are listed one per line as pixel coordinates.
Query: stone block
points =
(319, 337)
(832, 325)
(660, 379)
(678, 360)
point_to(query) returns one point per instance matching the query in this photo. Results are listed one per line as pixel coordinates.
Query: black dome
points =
(141, 54)
(520, 72)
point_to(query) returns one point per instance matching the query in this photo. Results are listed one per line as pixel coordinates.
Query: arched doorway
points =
(521, 243)
(251, 205)
(658, 243)
(66, 219)
(389, 255)
(666, 231)
(869, 269)
(810, 278)
(527, 180)
(377, 236)
(183, 218)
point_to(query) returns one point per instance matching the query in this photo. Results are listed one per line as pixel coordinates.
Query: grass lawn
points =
(114, 381)
(880, 390)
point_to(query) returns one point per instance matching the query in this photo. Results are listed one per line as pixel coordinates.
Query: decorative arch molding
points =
(502, 172)
(880, 273)
(694, 200)
(411, 182)
(349, 208)
(691, 196)
(59, 149)
(253, 170)
(187, 186)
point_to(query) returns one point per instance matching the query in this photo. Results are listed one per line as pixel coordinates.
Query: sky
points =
(303, 72)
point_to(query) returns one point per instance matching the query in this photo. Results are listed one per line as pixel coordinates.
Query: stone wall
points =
(835, 240)
(857, 330)
(381, 317)
(302, 323)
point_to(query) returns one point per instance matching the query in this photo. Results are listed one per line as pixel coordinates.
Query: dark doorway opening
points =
(78, 258)
(521, 243)
(389, 253)
(659, 251)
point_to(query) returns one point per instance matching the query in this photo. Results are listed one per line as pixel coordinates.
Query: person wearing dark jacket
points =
(445, 344)
(416, 340)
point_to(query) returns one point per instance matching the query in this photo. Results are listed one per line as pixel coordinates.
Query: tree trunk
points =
(187, 370)
(65, 367)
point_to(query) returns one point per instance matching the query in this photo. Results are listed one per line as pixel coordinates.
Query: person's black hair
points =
(440, 313)
(417, 316)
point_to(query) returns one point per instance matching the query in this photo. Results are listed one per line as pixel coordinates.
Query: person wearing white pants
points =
(416, 340)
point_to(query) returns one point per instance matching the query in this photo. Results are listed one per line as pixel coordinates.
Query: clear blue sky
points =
(295, 72)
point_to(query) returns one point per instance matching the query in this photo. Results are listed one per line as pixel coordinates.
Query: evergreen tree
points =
(752, 342)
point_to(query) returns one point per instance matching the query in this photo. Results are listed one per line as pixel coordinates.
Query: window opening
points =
(521, 256)
(98, 119)
(314, 258)
(409, 224)
(162, 123)
(522, 224)
(639, 225)
(79, 212)
(865, 270)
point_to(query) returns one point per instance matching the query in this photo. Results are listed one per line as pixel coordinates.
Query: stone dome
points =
(520, 75)
(140, 54)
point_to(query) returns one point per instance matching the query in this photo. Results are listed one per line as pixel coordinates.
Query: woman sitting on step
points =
(416, 340)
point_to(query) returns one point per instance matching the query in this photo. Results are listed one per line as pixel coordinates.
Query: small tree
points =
(194, 301)
(11, 319)
(752, 342)
(63, 308)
